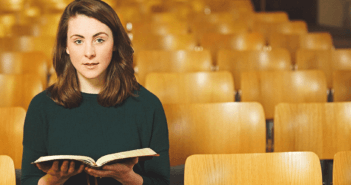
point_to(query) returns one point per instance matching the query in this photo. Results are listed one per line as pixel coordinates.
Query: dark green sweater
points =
(93, 130)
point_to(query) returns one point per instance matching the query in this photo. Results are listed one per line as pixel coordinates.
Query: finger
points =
(64, 166)
(72, 166)
(96, 173)
(55, 166)
(81, 168)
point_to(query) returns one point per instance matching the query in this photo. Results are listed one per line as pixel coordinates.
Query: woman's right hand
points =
(56, 175)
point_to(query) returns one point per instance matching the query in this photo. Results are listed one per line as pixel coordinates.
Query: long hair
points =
(120, 81)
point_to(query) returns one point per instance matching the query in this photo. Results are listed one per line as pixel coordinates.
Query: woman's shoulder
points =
(41, 99)
(145, 97)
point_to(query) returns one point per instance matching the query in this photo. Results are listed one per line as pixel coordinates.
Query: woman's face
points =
(90, 47)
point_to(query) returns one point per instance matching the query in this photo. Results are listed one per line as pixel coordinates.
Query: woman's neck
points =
(91, 86)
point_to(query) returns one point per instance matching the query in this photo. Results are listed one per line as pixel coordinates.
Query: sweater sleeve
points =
(34, 137)
(157, 170)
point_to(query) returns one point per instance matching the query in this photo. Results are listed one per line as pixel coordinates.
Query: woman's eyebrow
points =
(96, 34)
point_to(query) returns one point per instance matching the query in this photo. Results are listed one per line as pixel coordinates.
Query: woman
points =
(95, 108)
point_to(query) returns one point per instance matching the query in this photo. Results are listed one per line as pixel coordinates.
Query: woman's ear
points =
(67, 50)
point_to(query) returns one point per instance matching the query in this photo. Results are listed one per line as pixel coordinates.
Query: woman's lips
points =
(90, 65)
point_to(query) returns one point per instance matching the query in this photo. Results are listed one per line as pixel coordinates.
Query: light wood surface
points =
(252, 60)
(293, 168)
(290, 42)
(163, 42)
(171, 61)
(326, 60)
(29, 44)
(272, 17)
(230, 27)
(214, 128)
(7, 171)
(24, 62)
(19, 90)
(316, 40)
(322, 128)
(342, 86)
(197, 87)
(291, 27)
(342, 168)
(273, 87)
(11, 133)
(247, 41)
(160, 28)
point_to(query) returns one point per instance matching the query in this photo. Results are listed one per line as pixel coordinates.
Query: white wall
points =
(332, 12)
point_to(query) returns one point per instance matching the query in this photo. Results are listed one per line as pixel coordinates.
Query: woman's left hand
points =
(122, 172)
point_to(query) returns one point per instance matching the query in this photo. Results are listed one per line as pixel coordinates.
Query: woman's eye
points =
(78, 41)
(100, 40)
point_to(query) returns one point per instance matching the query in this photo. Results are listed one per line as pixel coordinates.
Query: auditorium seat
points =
(196, 87)
(171, 61)
(326, 60)
(19, 90)
(214, 128)
(246, 41)
(252, 60)
(160, 28)
(316, 40)
(322, 128)
(293, 168)
(24, 62)
(341, 86)
(163, 42)
(342, 168)
(11, 133)
(7, 171)
(272, 87)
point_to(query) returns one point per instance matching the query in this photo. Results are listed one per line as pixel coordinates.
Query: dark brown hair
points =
(120, 81)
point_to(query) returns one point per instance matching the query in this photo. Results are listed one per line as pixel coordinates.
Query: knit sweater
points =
(93, 130)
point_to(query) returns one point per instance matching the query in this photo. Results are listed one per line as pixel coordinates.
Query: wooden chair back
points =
(214, 128)
(7, 171)
(291, 27)
(171, 61)
(197, 87)
(24, 62)
(246, 41)
(342, 85)
(294, 168)
(272, 17)
(321, 40)
(11, 133)
(327, 61)
(163, 42)
(291, 42)
(232, 27)
(252, 60)
(29, 44)
(176, 28)
(272, 87)
(322, 128)
(342, 168)
(19, 90)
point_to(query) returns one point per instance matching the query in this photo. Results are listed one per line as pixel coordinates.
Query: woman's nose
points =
(90, 51)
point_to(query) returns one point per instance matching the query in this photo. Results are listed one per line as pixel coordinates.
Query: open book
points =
(143, 154)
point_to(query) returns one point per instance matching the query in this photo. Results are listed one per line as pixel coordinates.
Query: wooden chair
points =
(322, 128)
(24, 62)
(200, 87)
(171, 61)
(291, 27)
(34, 30)
(19, 90)
(240, 61)
(341, 86)
(342, 168)
(160, 28)
(294, 168)
(7, 20)
(214, 128)
(247, 41)
(265, 22)
(232, 27)
(7, 171)
(321, 40)
(327, 61)
(12, 6)
(11, 133)
(272, 87)
(29, 44)
(163, 42)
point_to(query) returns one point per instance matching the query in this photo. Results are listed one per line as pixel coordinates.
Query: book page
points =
(124, 155)
(84, 159)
